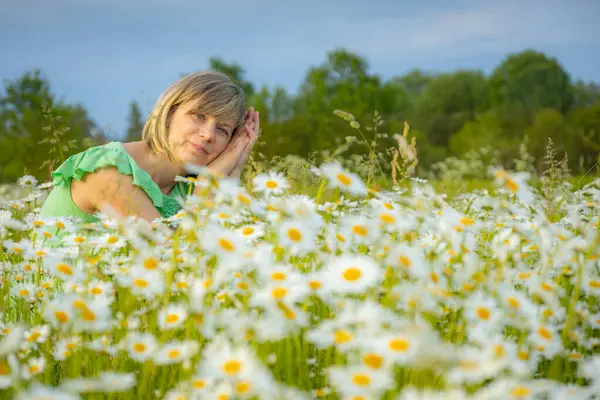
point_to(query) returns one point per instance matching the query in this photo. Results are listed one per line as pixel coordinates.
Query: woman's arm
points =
(107, 186)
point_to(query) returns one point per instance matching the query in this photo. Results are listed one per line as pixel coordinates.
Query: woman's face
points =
(196, 137)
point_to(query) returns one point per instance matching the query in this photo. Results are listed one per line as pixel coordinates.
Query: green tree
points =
(448, 101)
(341, 82)
(37, 130)
(261, 101)
(282, 105)
(136, 123)
(585, 94)
(548, 123)
(236, 72)
(485, 130)
(528, 81)
(584, 131)
(414, 82)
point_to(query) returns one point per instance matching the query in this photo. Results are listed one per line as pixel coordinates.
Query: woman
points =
(201, 119)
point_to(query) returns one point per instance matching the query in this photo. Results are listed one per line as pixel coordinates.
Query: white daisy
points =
(302, 207)
(172, 316)
(297, 236)
(337, 177)
(221, 360)
(251, 232)
(39, 391)
(223, 243)
(351, 274)
(360, 229)
(176, 352)
(144, 282)
(27, 181)
(360, 381)
(270, 183)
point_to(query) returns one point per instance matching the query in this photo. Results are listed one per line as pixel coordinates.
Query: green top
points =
(60, 203)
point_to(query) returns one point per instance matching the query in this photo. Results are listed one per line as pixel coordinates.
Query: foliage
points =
(528, 81)
(34, 124)
(136, 123)
(528, 94)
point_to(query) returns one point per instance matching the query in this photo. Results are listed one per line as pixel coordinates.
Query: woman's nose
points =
(208, 132)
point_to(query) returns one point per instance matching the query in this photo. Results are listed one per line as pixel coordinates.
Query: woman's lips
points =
(199, 148)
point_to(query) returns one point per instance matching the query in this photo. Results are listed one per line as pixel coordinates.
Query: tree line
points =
(528, 95)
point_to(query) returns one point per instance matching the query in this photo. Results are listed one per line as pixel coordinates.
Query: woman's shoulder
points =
(112, 154)
(77, 165)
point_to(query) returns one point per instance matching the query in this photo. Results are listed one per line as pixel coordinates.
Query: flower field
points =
(265, 292)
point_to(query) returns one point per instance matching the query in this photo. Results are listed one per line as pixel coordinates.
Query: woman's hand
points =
(232, 160)
(252, 130)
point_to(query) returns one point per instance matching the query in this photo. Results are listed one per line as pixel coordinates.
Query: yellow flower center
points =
(512, 185)
(278, 276)
(343, 179)
(404, 261)
(199, 384)
(141, 283)
(520, 391)
(150, 263)
(483, 313)
(139, 347)
(232, 367)
(352, 274)
(243, 387)
(513, 302)
(373, 360)
(387, 218)
(243, 199)
(314, 285)
(399, 345)
(61, 316)
(88, 315)
(361, 379)
(545, 333)
(360, 230)
(279, 293)
(65, 269)
(172, 318)
(226, 245)
(294, 234)
(342, 337)
(34, 336)
(96, 291)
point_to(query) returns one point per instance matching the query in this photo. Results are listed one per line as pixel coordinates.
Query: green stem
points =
(320, 192)
(574, 299)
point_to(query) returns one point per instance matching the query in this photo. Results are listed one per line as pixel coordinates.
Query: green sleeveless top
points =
(60, 203)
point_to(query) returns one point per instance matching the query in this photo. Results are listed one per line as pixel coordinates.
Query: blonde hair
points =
(212, 92)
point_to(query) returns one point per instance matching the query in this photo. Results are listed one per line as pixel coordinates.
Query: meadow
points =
(320, 284)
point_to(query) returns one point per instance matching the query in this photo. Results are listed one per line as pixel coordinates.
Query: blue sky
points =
(105, 53)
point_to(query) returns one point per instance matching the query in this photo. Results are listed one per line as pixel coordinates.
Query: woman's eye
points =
(200, 116)
(224, 131)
